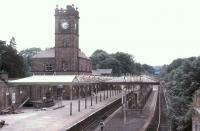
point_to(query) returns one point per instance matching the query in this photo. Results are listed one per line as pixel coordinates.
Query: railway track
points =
(93, 120)
(163, 123)
(91, 126)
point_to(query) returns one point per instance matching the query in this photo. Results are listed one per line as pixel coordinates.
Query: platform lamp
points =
(76, 82)
(60, 87)
(20, 95)
(7, 94)
(124, 100)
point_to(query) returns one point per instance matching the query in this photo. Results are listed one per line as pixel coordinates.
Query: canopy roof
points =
(45, 79)
(80, 79)
(99, 72)
(56, 79)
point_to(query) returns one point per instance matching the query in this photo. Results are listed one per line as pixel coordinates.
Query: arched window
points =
(48, 67)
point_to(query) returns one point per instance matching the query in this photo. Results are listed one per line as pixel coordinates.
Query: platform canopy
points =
(134, 79)
(58, 79)
(44, 79)
(79, 79)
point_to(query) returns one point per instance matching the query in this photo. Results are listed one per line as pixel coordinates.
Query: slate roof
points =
(46, 79)
(50, 53)
(101, 71)
(56, 79)
(82, 55)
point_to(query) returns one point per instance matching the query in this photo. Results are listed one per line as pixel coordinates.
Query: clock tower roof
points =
(69, 11)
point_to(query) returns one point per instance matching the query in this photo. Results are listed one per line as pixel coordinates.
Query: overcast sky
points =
(153, 31)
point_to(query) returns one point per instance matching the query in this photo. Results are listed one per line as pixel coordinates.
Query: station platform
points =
(51, 119)
(136, 120)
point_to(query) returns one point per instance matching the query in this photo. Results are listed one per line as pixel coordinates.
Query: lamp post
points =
(76, 82)
(71, 87)
(86, 91)
(124, 100)
(7, 93)
(91, 89)
(79, 90)
(100, 91)
(60, 98)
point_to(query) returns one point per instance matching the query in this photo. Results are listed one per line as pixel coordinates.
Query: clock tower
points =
(67, 40)
(65, 58)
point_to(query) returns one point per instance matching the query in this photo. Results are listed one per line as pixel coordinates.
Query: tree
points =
(183, 79)
(126, 62)
(97, 57)
(148, 69)
(13, 43)
(11, 62)
(27, 54)
(2, 51)
(111, 63)
(137, 69)
(121, 63)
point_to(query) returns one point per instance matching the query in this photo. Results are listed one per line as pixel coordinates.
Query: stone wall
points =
(85, 66)
(3, 92)
(196, 113)
(196, 121)
(16, 94)
(38, 65)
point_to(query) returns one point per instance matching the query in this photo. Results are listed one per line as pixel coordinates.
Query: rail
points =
(160, 121)
(164, 91)
(92, 119)
(163, 124)
(102, 117)
(159, 112)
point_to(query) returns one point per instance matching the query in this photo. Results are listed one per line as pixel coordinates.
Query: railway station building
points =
(64, 73)
(66, 58)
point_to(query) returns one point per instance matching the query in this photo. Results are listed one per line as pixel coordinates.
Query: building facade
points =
(45, 90)
(65, 57)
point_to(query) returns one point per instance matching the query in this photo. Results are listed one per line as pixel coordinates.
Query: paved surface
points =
(135, 119)
(52, 120)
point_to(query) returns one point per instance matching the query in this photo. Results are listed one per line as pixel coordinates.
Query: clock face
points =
(65, 25)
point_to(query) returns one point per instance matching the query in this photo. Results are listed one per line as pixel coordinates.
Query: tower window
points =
(64, 44)
(48, 67)
(88, 68)
(75, 26)
(66, 67)
(81, 68)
